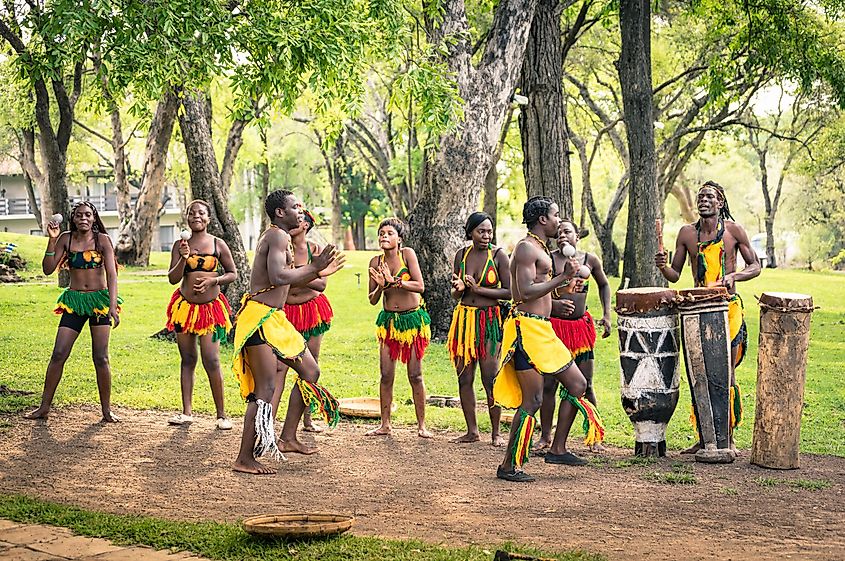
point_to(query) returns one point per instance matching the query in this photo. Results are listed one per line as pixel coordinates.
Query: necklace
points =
(545, 248)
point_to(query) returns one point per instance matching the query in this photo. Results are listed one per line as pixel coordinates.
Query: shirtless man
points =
(530, 348)
(263, 335)
(711, 244)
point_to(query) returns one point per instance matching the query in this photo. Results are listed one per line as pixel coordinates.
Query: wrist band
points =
(49, 253)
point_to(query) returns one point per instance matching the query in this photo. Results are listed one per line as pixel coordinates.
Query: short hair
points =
(725, 212)
(396, 224)
(198, 202)
(474, 221)
(534, 208)
(275, 200)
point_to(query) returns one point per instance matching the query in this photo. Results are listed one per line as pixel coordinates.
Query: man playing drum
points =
(712, 244)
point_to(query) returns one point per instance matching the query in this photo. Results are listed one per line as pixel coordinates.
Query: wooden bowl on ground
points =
(367, 407)
(297, 525)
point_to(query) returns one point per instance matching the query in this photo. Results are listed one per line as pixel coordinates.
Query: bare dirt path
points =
(403, 486)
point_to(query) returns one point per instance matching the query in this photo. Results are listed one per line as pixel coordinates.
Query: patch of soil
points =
(403, 486)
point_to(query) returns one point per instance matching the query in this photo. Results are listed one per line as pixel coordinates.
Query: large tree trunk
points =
(135, 236)
(335, 181)
(644, 197)
(542, 123)
(453, 178)
(206, 184)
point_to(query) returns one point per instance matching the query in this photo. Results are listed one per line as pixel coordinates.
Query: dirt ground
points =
(403, 486)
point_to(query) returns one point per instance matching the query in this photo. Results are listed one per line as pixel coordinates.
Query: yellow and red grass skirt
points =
(311, 318)
(579, 336)
(474, 334)
(93, 303)
(201, 319)
(404, 333)
(736, 325)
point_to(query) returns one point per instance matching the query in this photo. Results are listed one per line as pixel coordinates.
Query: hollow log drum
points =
(649, 337)
(707, 354)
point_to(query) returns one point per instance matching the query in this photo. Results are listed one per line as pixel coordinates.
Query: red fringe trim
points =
(202, 317)
(579, 335)
(308, 315)
(399, 351)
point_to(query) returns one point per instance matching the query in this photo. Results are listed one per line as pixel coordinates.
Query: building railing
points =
(103, 203)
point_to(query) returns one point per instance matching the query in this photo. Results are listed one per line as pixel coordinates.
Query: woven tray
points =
(297, 525)
(368, 407)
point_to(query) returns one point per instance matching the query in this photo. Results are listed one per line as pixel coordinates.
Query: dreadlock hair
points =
(97, 226)
(275, 200)
(534, 208)
(396, 224)
(474, 221)
(725, 211)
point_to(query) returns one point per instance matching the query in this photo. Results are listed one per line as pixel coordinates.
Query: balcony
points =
(104, 204)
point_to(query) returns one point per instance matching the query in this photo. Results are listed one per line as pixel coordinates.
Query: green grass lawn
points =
(146, 371)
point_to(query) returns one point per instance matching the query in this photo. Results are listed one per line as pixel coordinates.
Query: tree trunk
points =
(35, 180)
(335, 182)
(644, 196)
(33, 202)
(453, 178)
(206, 184)
(542, 123)
(359, 234)
(135, 236)
(610, 256)
(770, 241)
(491, 188)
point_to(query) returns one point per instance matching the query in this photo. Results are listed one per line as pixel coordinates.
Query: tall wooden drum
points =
(707, 354)
(649, 337)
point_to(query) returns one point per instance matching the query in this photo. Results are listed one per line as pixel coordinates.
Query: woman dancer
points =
(307, 308)
(198, 310)
(403, 324)
(87, 251)
(480, 278)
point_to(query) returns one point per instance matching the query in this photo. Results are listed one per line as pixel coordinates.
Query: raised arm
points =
(318, 284)
(57, 244)
(279, 269)
(376, 284)
(525, 263)
(178, 253)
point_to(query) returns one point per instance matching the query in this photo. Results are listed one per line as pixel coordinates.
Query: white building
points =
(97, 188)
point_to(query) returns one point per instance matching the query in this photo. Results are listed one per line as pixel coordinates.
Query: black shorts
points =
(77, 322)
(257, 338)
(520, 359)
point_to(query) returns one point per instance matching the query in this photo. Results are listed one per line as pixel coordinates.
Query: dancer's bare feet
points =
(468, 437)
(597, 448)
(109, 417)
(381, 431)
(295, 447)
(499, 440)
(422, 432)
(313, 428)
(252, 466)
(39, 413)
(692, 449)
(541, 445)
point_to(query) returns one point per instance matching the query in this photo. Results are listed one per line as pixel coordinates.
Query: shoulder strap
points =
(215, 246)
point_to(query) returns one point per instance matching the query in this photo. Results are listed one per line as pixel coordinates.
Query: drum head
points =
(635, 301)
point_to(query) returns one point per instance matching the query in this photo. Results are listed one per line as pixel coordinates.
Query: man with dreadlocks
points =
(712, 244)
(91, 298)
(264, 335)
(531, 350)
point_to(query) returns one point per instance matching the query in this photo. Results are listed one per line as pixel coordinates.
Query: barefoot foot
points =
(252, 466)
(39, 413)
(692, 449)
(422, 432)
(381, 431)
(109, 417)
(498, 440)
(468, 437)
(313, 428)
(295, 447)
(541, 445)
(597, 448)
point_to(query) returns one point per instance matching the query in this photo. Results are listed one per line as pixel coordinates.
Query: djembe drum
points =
(648, 354)
(707, 354)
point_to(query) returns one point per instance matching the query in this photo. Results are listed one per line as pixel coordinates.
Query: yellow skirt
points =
(536, 338)
(275, 330)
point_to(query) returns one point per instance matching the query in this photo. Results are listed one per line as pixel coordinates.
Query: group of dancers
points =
(522, 319)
